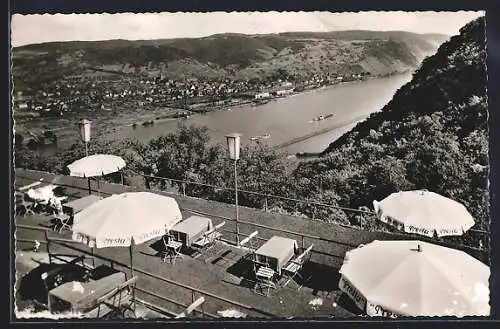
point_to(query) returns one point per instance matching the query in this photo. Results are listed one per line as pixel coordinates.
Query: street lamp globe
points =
(84, 127)
(233, 145)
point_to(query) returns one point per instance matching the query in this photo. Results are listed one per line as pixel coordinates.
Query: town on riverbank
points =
(44, 117)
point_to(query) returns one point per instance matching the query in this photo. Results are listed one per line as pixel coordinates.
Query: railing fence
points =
(480, 237)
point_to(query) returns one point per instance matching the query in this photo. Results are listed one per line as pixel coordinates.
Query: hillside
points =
(237, 55)
(432, 135)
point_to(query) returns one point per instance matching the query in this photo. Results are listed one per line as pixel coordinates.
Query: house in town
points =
(262, 95)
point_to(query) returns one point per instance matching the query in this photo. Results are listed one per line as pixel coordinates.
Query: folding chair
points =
(264, 281)
(172, 249)
(119, 300)
(293, 267)
(63, 221)
(191, 308)
(164, 253)
(41, 205)
(209, 239)
(26, 205)
(249, 240)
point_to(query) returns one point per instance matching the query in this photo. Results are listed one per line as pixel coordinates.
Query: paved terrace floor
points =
(220, 271)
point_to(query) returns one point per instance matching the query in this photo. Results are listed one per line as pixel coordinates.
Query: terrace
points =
(218, 275)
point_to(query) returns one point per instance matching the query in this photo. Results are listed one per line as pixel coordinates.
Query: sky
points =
(29, 29)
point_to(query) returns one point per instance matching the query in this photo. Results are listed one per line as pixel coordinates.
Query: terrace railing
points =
(478, 252)
(181, 189)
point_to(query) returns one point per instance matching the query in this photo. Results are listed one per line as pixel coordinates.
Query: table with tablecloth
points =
(191, 229)
(41, 194)
(276, 253)
(82, 296)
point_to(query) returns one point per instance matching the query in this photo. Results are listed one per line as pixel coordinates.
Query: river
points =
(288, 120)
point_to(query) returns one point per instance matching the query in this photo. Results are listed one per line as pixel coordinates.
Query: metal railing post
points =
(192, 301)
(48, 246)
(184, 188)
(265, 204)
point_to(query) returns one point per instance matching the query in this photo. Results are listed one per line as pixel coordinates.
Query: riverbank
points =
(287, 119)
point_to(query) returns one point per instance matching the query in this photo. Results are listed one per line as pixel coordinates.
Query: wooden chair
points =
(209, 239)
(62, 221)
(191, 308)
(23, 203)
(120, 300)
(293, 267)
(249, 240)
(265, 277)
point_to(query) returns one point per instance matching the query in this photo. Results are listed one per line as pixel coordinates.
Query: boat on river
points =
(257, 138)
(323, 117)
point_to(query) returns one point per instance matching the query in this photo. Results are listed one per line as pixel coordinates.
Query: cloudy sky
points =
(28, 29)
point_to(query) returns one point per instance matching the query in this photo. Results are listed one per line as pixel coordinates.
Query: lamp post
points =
(233, 145)
(84, 127)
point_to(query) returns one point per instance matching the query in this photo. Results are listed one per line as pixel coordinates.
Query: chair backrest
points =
(117, 289)
(248, 238)
(219, 226)
(303, 256)
(213, 233)
(165, 239)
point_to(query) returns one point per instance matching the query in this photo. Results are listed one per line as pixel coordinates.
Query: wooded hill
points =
(432, 135)
(235, 55)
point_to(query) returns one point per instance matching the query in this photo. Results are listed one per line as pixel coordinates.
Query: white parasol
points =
(96, 165)
(414, 278)
(425, 213)
(125, 219)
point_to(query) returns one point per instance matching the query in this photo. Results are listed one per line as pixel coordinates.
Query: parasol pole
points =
(99, 183)
(90, 189)
(131, 263)
(93, 257)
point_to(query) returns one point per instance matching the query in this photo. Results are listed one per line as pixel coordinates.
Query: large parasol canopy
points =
(425, 213)
(415, 278)
(96, 165)
(122, 220)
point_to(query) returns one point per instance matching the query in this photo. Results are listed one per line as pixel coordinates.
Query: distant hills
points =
(432, 135)
(236, 55)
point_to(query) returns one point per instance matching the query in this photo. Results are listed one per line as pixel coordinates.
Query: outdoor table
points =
(191, 229)
(41, 194)
(78, 205)
(26, 187)
(65, 297)
(276, 253)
